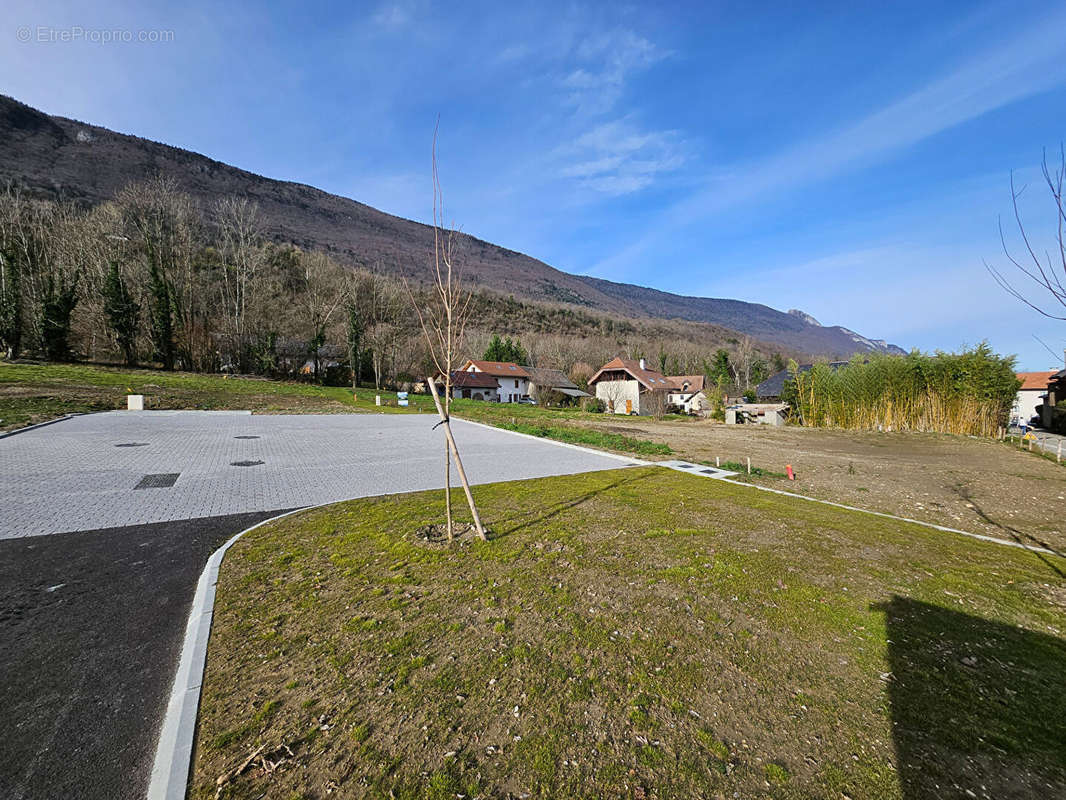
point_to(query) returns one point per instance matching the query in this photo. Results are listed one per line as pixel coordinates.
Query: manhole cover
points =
(132, 444)
(245, 437)
(162, 480)
(246, 463)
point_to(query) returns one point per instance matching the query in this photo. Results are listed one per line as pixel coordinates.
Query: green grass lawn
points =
(636, 633)
(32, 392)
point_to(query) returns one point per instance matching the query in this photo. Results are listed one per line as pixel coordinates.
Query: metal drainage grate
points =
(687, 466)
(161, 480)
(132, 444)
(246, 463)
(245, 437)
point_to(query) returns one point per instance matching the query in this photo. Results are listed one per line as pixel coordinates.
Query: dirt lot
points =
(973, 484)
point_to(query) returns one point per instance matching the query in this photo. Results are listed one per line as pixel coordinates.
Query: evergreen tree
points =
(10, 303)
(123, 313)
(57, 303)
(495, 351)
(720, 372)
(514, 352)
(161, 315)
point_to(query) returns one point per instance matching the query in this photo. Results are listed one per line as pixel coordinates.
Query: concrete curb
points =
(173, 755)
(634, 461)
(38, 425)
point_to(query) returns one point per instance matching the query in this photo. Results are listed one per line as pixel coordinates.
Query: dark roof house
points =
(541, 378)
(774, 386)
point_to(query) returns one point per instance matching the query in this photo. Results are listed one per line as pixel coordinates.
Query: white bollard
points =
(135, 402)
(377, 399)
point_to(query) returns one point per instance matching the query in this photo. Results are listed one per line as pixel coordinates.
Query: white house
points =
(1030, 395)
(686, 393)
(475, 386)
(629, 387)
(513, 381)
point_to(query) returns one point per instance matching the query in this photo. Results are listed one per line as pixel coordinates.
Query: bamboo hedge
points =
(966, 393)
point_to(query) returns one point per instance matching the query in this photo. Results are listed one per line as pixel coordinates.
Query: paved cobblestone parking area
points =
(106, 521)
(127, 468)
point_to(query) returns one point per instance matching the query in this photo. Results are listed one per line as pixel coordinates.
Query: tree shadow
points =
(1027, 539)
(539, 516)
(977, 706)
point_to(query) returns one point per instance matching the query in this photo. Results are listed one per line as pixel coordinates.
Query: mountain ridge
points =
(60, 157)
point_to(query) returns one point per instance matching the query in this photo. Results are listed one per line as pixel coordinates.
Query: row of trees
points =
(151, 277)
(961, 393)
(154, 278)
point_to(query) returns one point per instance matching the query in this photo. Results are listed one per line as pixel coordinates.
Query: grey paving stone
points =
(72, 477)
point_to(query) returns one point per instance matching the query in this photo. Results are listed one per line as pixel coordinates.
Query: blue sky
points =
(850, 160)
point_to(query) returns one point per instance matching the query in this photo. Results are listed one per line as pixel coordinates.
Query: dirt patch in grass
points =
(630, 633)
(436, 535)
(972, 484)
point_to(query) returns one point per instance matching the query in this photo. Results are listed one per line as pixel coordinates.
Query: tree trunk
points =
(458, 461)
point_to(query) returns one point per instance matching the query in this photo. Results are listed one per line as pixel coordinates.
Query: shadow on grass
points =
(977, 706)
(1018, 536)
(539, 516)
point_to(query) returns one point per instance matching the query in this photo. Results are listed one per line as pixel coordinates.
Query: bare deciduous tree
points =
(241, 252)
(1046, 271)
(442, 314)
(740, 363)
(324, 290)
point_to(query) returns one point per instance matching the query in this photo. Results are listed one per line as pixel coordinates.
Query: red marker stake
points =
(791, 474)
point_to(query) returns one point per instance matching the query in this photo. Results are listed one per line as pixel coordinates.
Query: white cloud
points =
(616, 157)
(602, 64)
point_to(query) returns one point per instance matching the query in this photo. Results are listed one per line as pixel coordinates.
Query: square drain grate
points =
(161, 480)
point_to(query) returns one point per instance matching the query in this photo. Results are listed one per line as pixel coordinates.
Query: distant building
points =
(1051, 412)
(512, 380)
(1030, 395)
(686, 393)
(757, 414)
(629, 387)
(552, 385)
(771, 389)
(475, 386)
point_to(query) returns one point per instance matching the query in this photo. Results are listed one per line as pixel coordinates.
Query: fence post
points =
(749, 465)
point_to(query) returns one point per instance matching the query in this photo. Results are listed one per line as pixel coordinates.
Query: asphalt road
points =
(92, 626)
(106, 522)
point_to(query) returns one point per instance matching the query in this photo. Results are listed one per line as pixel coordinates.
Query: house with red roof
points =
(1030, 395)
(512, 381)
(629, 387)
(686, 393)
